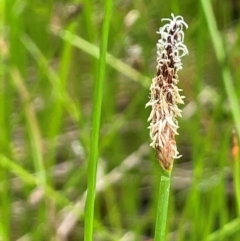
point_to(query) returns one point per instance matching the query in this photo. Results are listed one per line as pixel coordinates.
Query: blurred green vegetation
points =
(49, 52)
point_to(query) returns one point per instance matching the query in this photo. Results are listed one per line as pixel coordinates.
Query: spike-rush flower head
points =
(164, 96)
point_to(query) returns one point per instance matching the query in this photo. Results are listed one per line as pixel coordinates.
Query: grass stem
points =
(162, 208)
(96, 116)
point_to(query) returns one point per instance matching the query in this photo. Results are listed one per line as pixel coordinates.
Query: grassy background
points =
(49, 52)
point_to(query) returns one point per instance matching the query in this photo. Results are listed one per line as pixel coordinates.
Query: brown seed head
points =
(164, 96)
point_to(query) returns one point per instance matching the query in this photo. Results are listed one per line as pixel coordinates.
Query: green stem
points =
(162, 209)
(96, 116)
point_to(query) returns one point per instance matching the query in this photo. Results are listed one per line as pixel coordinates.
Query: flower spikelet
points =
(164, 96)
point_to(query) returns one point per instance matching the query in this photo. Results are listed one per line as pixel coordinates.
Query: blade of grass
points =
(221, 57)
(33, 127)
(96, 116)
(115, 63)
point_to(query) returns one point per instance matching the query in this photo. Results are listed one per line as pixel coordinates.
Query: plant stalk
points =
(162, 209)
(96, 117)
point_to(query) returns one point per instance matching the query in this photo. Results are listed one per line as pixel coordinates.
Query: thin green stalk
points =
(96, 116)
(221, 57)
(162, 208)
